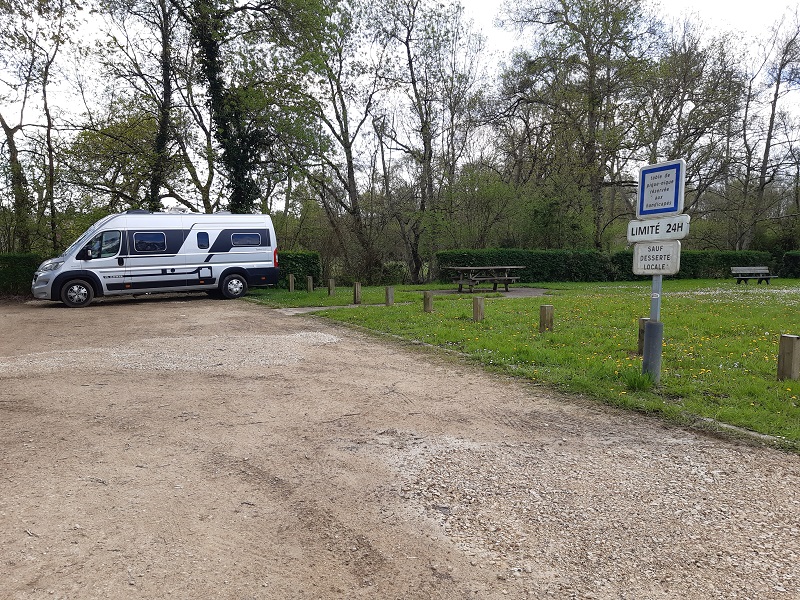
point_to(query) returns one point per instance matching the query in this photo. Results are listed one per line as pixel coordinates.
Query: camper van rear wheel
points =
(234, 286)
(77, 293)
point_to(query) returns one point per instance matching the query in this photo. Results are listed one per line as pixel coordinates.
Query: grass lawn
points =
(719, 357)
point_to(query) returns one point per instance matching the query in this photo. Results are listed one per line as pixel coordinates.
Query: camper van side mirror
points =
(84, 254)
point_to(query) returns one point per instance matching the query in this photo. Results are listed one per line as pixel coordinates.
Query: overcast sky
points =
(753, 18)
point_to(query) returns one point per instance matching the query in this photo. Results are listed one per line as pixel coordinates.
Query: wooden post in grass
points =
(477, 309)
(789, 357)
(427, 301)
(291, 282)
(331, 287)
(545, 318)
(356, 293)
(642, 322)
(389, 296)
(310, 283)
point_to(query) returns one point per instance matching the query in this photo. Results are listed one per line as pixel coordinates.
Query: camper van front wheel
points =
(234, 286)
(77, 293)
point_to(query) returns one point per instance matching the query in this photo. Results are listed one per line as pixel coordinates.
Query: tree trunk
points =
(161, 146)
(226, 105)
(50, 178)
(21, 238)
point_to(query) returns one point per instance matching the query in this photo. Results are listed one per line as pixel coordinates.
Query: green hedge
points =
(791, 264)
(16, 273)
(301, 265)
(589, 265)
(699, 264)
(540, 265)
(702, 264)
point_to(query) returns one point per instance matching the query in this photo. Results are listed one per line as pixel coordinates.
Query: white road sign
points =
(657, 258)
(667, 228)
(661, 190)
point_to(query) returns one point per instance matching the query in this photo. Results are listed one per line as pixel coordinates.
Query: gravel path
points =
(187, 447)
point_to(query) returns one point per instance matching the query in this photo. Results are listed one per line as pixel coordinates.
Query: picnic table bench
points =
(747, 273)
(473, 276)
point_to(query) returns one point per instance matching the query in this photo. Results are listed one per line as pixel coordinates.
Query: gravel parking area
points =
(187, 447)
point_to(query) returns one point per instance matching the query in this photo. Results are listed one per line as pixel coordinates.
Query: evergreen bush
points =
(697, 264)
(540, 265)
(590, 265)
(301, 265)
(791, 264)
(704, 264)
(395, 272)
(16, 273)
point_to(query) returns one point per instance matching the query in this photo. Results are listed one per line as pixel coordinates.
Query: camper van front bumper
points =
(42, 278)
(40, 286)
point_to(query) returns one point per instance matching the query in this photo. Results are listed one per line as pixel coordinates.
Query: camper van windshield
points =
(80, 241)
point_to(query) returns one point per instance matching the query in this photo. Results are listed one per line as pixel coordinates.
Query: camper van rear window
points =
(246, 239)
(149, 241)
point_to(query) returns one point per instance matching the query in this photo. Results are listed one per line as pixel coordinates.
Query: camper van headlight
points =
(51, 266)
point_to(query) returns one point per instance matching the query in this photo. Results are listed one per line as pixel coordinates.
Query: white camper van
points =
(139, 252)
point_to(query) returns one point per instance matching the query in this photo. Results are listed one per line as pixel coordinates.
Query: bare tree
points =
(31, 40)
(436, 75)
(350, 78)
(589, 55)
(764, 146)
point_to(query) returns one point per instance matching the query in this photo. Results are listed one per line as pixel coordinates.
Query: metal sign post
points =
(655, 298)
(653, 334)
(657, 251)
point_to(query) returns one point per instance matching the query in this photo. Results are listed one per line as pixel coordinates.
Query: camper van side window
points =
(104, 244)
(246, 239)
(149, 241)
(202, 240)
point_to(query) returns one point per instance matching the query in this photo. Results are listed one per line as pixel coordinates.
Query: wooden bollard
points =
(427, 301)
(291, 282)
(310, 283)
(331, 287)
(356, 293)
(789, 357)
(477, 309)
(389, 296)
(642, 322)
(545, 318)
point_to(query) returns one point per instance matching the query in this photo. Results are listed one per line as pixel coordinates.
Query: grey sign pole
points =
(653, 334)
(657, 251)
(655, 298)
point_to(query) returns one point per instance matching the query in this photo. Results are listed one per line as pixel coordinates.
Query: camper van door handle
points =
(120, 261)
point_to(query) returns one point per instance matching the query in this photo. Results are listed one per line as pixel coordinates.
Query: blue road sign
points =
(661, 190)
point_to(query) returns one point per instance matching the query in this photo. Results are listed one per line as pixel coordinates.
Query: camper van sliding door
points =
(155, 261)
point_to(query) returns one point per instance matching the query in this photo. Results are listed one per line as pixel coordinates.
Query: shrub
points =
(540, 265)
(702, 264)
(301, 265)
(590, 265)
(394, 272)
(16, 273)
(697, 264)
(791, 264)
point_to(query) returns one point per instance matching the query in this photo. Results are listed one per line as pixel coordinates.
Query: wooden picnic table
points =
(472, 276)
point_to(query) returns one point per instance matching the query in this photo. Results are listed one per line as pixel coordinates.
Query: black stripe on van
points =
(174, 241)
(224, 241)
